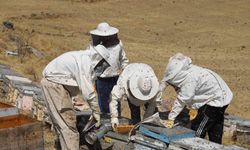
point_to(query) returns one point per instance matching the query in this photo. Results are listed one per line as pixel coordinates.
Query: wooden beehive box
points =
(19, 132)
(38, 108)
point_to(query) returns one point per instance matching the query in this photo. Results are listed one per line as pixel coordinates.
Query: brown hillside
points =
(214, 33)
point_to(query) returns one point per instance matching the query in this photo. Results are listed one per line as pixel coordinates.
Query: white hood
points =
(177, 69)
(197, 86)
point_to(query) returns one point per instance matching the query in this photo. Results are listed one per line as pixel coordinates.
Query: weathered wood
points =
(237, 128)
(20, 133)
(3, 66)
(169, 132)
(21, 91)
(202, 144)
(4, 70)
(230, 119)
(166, 135)
(7, 110)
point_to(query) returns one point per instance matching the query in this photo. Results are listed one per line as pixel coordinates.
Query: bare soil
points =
(214, 33)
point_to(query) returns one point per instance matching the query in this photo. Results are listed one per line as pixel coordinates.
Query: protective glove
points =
(114, 123)
(192, 114)
(97, 118)
(168, 123)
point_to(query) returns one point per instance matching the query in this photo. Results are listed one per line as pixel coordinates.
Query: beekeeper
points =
(139, 85)
(201, 89)
(107, 36)
(62, 77)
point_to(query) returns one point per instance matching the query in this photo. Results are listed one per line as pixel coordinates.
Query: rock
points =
(8, 25)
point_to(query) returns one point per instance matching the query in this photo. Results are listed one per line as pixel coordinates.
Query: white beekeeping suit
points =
(72, 69)
(139, 85)
(198, 86)
(119, 58)
(121, 61)
(107, 36)
(76, 68)
(201, 89)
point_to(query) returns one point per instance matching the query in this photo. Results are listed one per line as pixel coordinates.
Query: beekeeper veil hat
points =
(176, 64)
(143, 84)
(104, 29)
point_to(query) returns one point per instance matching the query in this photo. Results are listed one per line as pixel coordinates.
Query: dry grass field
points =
(214, 33)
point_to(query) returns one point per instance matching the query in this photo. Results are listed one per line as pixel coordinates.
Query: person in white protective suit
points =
(107, 36)
(61, 77)
(139, 85)
(201, 89)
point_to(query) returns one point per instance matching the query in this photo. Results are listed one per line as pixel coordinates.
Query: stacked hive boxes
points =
(21, 92)
(18, 131)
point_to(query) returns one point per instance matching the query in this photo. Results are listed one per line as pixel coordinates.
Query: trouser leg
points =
(99, 88)
(209, 120)
(202, 122)
(59, 105)
(147, 106)
(135, 113)
(119, 109)
(216, 131)
(104, 87)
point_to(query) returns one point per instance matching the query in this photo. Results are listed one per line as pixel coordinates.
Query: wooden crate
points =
(19, 132)
(7, 110)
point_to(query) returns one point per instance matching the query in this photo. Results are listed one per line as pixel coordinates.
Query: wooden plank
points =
(20, 132)
(177, 130)
(237, 128)
(233, 147)
(230, 119)
(7, 110)
(199, 143)
(165, 134)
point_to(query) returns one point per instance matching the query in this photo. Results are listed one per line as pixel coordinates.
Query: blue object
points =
(160, 137)
(166, 138)
(104, 87)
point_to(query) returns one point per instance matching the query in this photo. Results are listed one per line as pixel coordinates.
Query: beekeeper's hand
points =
(167, 123)
(97, 118)
(114, 123)
(192, 114)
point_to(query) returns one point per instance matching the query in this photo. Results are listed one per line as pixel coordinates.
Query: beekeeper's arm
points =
(123, 59)
(117, 94)
(163, 85)
(89, 94)
(153, 104)
(184, 97)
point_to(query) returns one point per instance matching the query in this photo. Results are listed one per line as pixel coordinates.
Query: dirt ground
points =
(214, 33)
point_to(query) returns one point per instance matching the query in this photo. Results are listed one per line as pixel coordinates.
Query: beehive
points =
(19, 132)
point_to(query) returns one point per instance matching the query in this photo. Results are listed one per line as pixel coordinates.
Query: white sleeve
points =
(184, 96)
(177, 108)
(123, 59)
(117, 94)
(163, 85)
(89, 93)
(86, 85)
